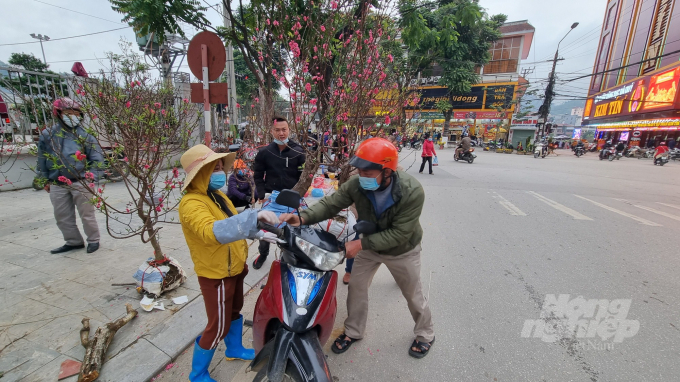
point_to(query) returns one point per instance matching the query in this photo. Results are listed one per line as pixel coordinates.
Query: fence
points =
(28, 96)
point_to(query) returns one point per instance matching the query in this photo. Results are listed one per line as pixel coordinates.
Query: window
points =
(657, 35)
(504, 56)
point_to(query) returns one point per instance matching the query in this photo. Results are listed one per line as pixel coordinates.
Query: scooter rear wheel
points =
(291, 374)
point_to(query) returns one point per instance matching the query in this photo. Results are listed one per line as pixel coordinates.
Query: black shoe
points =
(92, 247)
(66, 248)
(259, 262)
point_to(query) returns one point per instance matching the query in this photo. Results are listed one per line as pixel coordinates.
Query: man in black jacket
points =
(277, 167)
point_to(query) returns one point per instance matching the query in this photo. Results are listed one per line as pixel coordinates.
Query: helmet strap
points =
(384, 183)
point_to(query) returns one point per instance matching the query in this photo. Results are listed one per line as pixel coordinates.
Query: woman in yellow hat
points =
(215, 234)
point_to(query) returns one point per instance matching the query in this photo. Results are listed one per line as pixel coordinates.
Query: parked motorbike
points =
(468, 156)
(649, 153)
(634, 152)
(541, 150)
(295, 312)
(674, 154)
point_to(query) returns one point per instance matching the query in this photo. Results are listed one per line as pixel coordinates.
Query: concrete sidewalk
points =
(44, 297)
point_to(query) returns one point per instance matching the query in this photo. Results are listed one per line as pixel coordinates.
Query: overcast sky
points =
(551, 18)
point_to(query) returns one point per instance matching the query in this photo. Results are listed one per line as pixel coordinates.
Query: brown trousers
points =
(223, 299)
(405, 269)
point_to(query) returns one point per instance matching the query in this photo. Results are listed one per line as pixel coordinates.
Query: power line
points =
(65, 38)
(71, 10)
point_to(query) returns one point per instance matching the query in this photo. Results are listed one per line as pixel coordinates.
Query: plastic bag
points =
(435, 161)
(151, 278)
(341, 225)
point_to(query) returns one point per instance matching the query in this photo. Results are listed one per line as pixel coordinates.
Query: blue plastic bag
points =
(435, 161)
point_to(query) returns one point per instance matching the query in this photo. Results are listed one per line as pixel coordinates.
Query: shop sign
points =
(480, 97)
(650, 123)
(524, 121)
(480, 115)
(649, 93)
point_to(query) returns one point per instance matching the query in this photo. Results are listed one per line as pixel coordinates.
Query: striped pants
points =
(223, 299)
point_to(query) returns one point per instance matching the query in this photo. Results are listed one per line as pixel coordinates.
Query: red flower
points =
(387, 120)
(175, 173)
(64, 179)
(127, 104)
(80, 156)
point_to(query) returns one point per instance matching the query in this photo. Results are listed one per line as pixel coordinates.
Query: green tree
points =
(453, 34)
(28, 61)
(160, 17)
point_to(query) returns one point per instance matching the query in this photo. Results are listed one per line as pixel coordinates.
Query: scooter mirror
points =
(365, 227)
(289, 198)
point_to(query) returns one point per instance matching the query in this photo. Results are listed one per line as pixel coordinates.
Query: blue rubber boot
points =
(234, 342)
(200, 364)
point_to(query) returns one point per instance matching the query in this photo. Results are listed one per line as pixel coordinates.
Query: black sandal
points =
(344, 342)
(424, 348)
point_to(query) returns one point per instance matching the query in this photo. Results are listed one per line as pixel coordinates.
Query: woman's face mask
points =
(217, 180)
(70, 120)
(241, 173)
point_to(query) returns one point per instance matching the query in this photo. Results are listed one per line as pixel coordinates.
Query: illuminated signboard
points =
(577, 134)
(624, 136)
(650, 93)
(662, 89)
(481, 97)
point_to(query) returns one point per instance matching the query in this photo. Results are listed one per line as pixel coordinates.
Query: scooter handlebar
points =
(270, 228)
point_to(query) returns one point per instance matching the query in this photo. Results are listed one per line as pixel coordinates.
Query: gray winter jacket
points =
(62, 142)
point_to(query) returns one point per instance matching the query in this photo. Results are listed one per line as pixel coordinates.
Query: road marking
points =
(560, 207)
(669, 205)
(626, 214)
(666, 214)
(509, 206)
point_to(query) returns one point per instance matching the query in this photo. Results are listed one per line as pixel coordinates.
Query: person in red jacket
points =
(428, 153)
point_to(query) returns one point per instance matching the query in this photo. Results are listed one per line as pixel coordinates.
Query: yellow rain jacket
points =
(198, 213)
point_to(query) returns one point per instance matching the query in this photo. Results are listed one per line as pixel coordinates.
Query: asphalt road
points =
(597, 238)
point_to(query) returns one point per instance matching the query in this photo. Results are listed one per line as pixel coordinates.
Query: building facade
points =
(489, 102)
(633, 90)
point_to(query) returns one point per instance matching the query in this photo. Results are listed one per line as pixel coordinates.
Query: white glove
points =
(268, 217)
(270, 237)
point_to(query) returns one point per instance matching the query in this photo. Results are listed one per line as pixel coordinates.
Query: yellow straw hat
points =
(198, 156)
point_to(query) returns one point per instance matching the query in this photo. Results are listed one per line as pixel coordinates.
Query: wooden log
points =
(95, 349)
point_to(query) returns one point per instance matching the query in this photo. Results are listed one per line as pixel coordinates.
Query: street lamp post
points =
(544, 110)
(41, 38)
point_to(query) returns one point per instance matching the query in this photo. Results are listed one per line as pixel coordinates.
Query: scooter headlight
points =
(322, 259)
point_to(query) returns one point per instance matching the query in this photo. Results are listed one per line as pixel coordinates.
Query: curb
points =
(163, 344)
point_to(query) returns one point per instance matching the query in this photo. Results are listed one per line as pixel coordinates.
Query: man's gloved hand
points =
(270, 237)
(268, 217)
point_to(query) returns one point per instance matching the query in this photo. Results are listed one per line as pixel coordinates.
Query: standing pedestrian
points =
(393, 200)
(671, 143)
(277, 167)
(428, 153)
(239, 189)
(215, 234)
(65, 152)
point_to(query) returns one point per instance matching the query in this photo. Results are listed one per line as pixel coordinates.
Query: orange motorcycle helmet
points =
(376, 154)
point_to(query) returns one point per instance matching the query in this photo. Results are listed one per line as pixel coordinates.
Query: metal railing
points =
(28, 96)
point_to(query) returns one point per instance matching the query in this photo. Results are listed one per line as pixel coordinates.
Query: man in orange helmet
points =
(393, 200)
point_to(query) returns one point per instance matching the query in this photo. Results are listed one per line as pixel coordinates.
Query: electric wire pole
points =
(544, 110)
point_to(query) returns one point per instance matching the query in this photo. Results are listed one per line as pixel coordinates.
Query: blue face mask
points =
(217, 180)
(281, 143)
(369, 184)
(240, 173)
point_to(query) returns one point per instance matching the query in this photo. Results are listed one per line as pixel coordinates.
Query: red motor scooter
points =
(295, 312)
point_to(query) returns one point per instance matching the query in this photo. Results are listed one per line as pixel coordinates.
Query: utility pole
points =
(544, 110)
(41, 38)
(231, 76)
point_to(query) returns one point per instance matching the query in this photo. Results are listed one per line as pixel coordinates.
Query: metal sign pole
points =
(206, 94)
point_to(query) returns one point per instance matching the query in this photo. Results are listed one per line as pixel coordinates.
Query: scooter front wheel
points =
(291, 375)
